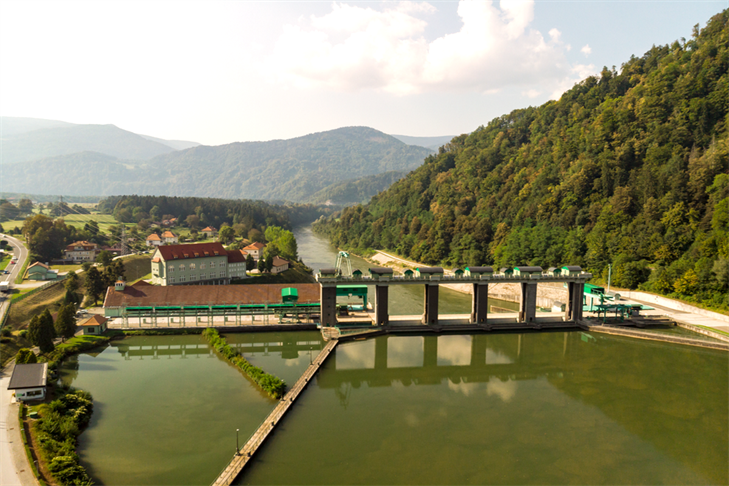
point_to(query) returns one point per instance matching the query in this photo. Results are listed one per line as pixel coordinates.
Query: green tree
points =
(269, 262)
(250, 263)
(226, 233)
(34, 330)
(25, 206)
(261, 265)
(46, 333)
(104, 257)
(72, 281)
(94, 284)
(65, 325)
(25, 356)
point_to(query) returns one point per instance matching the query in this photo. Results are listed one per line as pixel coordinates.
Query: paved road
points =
(22, 253)
(14, 467)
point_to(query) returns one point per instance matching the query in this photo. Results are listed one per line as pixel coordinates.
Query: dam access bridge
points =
(382, 278)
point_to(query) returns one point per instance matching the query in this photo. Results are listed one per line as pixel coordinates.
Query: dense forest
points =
(208, 211)
(627, 169)
(357, 190)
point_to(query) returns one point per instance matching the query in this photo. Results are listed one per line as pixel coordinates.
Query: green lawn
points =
(4, 261)
(79, 220)
(66, 268)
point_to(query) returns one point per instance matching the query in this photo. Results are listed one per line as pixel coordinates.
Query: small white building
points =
(29, 381)
(279, 265)
(95, 324)
(169, 238)
(255, 250)
(154, 240)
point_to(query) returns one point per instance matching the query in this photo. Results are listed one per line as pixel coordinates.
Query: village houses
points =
(81, 251)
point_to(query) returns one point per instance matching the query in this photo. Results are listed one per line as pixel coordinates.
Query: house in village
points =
(81, 251)
(154, 240)
(255, 250)
(169, 238)
(40, 271)
(95, 325)
(279, 265)
(209, 232)
(29, 381)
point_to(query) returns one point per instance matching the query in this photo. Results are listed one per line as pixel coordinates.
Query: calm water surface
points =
(317, 252)
(166, 408)
(541, 408)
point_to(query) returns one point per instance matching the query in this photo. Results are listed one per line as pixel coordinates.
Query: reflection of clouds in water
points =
(412, 420)
(454, 350)
(295, 361)
(356, 356)
(502, 389)
(405, 351)
(495, 357)
(465, 388)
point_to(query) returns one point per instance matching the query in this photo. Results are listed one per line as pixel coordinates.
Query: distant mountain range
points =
(29, 139)
(105, 160)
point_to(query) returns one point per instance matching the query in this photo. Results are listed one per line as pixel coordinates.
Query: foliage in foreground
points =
(60, 424)
(272, 385)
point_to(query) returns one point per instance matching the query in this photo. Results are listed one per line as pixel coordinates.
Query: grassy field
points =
(79, 220)
(22, 312)
(66, 268)
(137, 267)
(4, 261)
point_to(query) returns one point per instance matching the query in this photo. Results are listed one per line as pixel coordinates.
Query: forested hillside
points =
(207, 211)
(291, 170)
(628, 168)
(357, 190)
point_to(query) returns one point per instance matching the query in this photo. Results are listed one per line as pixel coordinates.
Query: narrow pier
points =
(249, 449)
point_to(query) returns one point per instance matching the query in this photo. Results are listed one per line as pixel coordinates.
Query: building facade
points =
(169, 238)
(154, 240)
(186, 264)
(81, 251)
(255, 250)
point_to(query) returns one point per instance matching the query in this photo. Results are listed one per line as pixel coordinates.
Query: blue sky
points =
(226, 71)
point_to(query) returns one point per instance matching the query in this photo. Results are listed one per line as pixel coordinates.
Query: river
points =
(501, 408)
(318, 253)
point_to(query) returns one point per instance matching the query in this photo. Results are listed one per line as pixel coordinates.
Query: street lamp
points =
(237, 449)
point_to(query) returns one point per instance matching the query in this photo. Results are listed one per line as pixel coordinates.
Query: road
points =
(14, 467)
(22, 253)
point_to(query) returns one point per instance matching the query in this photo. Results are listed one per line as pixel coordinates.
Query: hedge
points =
(272, 385)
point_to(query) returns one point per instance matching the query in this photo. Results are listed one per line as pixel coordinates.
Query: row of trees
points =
(42, 330)
(627, 169)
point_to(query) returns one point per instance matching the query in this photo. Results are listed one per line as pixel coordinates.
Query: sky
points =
(217, 72)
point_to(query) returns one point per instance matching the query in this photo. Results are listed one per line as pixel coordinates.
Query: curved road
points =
(14, 467)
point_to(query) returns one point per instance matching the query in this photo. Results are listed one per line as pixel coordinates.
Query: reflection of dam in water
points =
(256, 345)
(430, 359)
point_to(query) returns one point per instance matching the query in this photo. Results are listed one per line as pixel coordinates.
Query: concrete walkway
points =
(683, 316)
(14, 467)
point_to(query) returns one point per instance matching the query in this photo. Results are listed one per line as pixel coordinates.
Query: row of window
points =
(193, 266)
(193, 278)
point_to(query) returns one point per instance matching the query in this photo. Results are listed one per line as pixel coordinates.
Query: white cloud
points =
(587, 50)
(531, 93)
(355, 48)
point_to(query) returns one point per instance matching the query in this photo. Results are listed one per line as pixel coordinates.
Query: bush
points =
(272, 385)
(57, 429)
(23, 333)
(25, 356)
(5, 332)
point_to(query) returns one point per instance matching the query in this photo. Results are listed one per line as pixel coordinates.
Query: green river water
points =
(527, 408)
